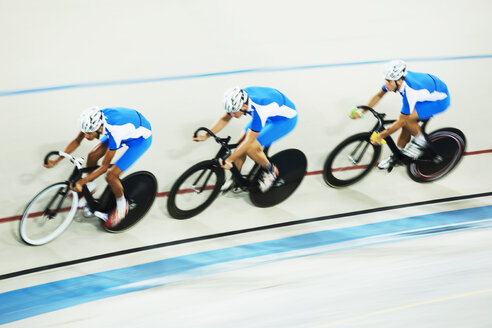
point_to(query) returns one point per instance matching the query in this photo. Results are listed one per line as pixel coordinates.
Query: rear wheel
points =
(195, 190)
(450, 145)
(48, 214)
(292, 165)
(351, 160)
(140, 191)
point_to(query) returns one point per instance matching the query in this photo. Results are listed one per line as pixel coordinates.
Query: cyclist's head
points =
(91, 119)
(234, 99)
(394, 70)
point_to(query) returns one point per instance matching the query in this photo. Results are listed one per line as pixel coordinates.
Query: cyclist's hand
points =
(356, 113)
(225, 164)
(50, 163)
(200, 137)
(376, 139)
(78, 185)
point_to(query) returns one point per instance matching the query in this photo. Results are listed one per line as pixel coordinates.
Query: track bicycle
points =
(52, 210)
(354, 157)
(200, 185)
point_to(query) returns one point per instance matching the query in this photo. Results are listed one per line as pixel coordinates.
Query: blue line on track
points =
(243, 71)
(31, 301)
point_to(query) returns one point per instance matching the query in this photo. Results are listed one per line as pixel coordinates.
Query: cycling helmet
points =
(91, 119)
(394, 70)
(234, 99)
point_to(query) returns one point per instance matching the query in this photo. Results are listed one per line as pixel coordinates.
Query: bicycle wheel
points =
(48, 214)
(195, 190)
(140, 191)
(351, 160)
(450, 145)
(291, 164)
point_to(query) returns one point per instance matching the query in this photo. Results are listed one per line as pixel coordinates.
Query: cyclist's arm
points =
(108, 157)
(244, 146)
(217, 127)
(375, 99)
(74, 144)
(402, 121)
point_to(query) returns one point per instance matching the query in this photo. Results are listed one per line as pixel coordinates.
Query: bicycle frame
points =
(399, 156)
(77, 173)
(242, 182)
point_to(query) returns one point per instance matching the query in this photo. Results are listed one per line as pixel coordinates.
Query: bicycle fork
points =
(63, 192)
(352, 155)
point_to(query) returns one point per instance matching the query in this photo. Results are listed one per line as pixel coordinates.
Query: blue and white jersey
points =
(122, 126)
(418, 88)
(268, 103)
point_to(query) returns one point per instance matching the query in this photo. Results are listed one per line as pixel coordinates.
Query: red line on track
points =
(184, 191)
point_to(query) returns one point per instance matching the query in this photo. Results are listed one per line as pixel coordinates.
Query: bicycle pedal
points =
(280, 182)
(131, 205)
(437, 159)
(86, 212)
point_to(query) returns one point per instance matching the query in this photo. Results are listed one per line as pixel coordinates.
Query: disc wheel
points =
(292, 165)
(140, 192)
(450, 145)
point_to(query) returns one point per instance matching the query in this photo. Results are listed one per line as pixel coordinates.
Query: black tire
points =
(292, 165)
(140, 191)
(184, 201)
(450, 144)
(48, 214)
(338, 166)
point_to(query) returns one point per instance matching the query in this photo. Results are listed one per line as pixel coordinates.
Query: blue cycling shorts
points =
(274, 129)
(136, 148)
(427, 109)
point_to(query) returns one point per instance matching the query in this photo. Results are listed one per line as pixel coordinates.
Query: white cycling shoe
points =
(268, 179)
(386, 163)
(413, 149)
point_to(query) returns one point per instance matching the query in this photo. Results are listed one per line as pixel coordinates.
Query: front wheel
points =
(195, 190)
(48, 214)
(351, 160)
(449, 144)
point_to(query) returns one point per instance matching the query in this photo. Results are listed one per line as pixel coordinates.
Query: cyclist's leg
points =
(423, 111)
(412, 124)
(427, 109)
(275, 129)
(403, 138)
(256, 153)
(135, 150)
(240, 160)
(93, 158)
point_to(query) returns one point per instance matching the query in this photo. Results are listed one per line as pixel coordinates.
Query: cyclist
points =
(114, 127)
(424, 95)
(273, 116)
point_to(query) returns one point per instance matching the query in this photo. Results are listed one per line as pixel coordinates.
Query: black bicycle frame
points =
(243, 182)
(380, 126)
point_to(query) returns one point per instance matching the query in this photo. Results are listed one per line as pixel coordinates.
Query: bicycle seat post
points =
(237, 176)
(91, 202)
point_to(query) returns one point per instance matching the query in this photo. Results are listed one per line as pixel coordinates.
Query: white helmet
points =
(91, 119)
(234, 99)
(394, 70)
